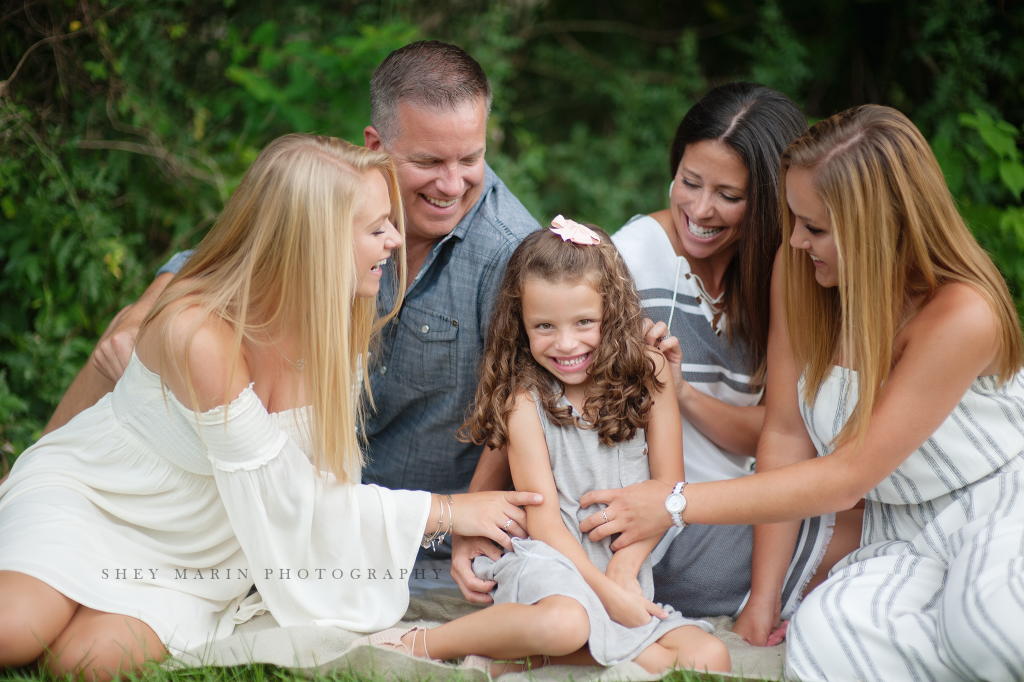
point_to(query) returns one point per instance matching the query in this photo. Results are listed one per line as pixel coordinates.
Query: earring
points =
(670, 186)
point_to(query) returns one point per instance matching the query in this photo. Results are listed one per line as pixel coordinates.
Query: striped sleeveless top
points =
(984, 432)
(711, 364)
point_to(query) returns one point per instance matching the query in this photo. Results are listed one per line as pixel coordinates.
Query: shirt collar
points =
(490, 180)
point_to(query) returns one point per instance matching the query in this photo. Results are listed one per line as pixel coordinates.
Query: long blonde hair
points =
(283, 252)
(898, 234)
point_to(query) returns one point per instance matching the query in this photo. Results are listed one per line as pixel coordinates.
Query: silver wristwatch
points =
(675, 503)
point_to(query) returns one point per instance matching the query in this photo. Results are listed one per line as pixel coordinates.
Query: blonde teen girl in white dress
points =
(228, 454)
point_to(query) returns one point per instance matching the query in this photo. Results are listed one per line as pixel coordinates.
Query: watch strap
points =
(677, 516)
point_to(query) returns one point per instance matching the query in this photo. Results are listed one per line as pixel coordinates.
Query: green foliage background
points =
(125, 124)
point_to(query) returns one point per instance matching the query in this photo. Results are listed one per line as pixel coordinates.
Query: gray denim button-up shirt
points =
(424, 365)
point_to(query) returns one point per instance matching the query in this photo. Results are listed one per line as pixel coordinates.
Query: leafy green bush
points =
(126, 148)
(127, 125)
(999, 225)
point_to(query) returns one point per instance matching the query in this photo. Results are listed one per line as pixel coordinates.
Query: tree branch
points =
(5, 84)
(176, 166)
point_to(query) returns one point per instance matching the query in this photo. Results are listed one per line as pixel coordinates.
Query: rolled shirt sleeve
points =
(174, 264)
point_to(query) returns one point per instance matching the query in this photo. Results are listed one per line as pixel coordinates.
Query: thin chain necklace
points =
(300, 365)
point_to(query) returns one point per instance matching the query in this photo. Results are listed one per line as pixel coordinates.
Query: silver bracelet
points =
(440, 540)
(430, 538)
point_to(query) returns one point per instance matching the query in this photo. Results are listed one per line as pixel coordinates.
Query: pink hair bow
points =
(570, 230)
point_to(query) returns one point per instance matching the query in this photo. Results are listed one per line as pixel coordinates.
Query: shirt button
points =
(425, 329)
(383, 370)
(455, 323)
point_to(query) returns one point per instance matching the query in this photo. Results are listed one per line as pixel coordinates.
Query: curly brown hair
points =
(622, 373)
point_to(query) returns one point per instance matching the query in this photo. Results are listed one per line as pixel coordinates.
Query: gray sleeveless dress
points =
(581, 463)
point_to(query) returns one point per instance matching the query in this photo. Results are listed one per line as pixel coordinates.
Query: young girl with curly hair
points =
(570, 388)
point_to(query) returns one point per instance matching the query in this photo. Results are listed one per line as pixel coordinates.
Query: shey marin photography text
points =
(115, 573)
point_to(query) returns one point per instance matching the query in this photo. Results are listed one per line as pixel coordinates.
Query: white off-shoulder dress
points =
(141, 507)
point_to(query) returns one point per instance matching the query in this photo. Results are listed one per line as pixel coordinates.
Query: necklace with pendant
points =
(300, 365)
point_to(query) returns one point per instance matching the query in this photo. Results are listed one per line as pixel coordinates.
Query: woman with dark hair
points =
(703, 268)
(896, 379)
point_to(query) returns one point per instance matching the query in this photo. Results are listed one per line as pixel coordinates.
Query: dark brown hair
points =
(428, 73)
(622, 373)
(757, 123)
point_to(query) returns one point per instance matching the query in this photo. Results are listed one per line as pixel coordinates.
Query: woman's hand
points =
(628, 608)
(487, 514)
(759, 622)
(637, 512)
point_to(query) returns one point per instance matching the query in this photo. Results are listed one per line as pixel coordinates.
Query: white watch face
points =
(675, 503)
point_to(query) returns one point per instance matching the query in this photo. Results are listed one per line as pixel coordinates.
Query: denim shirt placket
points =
(431, 257)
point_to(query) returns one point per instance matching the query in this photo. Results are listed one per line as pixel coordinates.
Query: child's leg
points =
(686, 647)
(32, 614)
(555, 626)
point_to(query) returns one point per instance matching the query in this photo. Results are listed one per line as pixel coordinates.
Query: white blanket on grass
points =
(312, 649)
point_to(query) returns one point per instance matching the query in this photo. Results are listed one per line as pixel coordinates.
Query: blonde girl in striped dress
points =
(893, 376)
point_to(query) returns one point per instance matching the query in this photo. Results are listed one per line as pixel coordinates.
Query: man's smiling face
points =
(439, 156)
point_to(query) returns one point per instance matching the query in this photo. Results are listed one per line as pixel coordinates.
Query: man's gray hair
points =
(428, 73)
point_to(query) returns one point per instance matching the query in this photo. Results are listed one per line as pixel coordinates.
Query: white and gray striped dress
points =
(936, 590)
(705, 570)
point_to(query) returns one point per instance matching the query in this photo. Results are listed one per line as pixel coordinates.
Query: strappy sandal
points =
(392, 639)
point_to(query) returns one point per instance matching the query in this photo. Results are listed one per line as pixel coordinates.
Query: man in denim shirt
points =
(429, 108)
(429, 105)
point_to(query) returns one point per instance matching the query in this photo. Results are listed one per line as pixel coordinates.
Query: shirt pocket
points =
(634, 466)
(425, 351)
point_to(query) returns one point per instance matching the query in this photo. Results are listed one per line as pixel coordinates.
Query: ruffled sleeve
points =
(321, 552)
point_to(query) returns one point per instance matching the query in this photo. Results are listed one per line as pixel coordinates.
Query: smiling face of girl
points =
(563, 324)
(374, 235)
(812, 226)
(709, 200)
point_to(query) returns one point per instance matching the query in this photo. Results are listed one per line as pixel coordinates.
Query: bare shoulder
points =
(526, 435)
(199, 359)
(958, 306)
(957, 317)
(524, 418)
(199, 338)
(523, 402)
